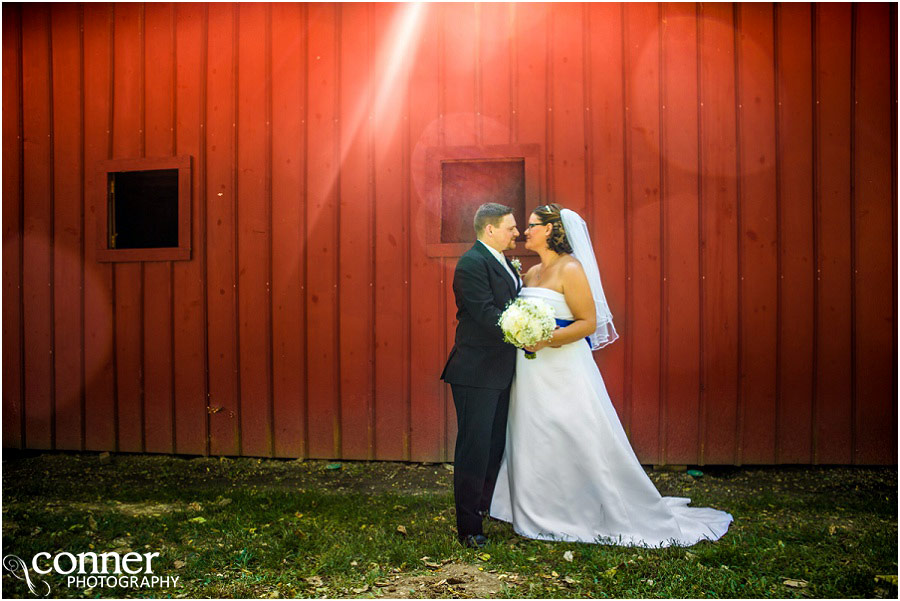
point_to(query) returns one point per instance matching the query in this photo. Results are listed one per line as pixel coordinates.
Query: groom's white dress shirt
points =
(499, 256)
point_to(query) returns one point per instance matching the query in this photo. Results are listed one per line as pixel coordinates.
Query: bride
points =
(568, 470)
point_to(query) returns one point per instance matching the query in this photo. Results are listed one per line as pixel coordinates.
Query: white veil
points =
(580, 241)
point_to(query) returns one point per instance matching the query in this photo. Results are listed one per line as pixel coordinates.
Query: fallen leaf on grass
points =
(360, 590)
(610, 572)
(428, 563)
(314, 580)
(178, 564)
(484, 556)
(568, 556)
(199, 519)
(402, 530)
(888, 578)
(796, 583)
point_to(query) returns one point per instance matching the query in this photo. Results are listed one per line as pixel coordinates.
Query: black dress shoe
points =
(473, 541)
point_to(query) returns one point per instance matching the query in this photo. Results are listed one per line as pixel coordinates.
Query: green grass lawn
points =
(272, 528)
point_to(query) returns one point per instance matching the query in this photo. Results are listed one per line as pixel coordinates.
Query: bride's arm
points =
(578, 296)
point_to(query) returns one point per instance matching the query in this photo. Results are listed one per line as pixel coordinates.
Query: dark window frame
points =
(182, 252)
(436, 156)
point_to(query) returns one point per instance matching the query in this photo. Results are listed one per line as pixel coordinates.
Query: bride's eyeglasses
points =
(531, 225)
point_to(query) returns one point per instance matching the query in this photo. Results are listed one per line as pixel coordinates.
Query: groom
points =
(480, 366)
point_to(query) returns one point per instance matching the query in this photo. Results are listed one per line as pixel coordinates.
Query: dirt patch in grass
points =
(129, 509)
(457, 580)
(344, 476)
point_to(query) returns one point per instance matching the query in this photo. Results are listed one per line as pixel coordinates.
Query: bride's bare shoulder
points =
(570, 265)
(572, 272)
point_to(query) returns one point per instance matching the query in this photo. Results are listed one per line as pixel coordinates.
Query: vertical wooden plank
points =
(128, 142)
(530, 82)
(391, 248)
(253, 194)
(460, 101)
(13, 426)
(428, 413)
(288, 248)
(357, 245)
(494, 43)
(643, 201)
(566, 112)
(833, 415)
(101, 412)
(189, 292)
(159, 103)
(759, 236)
(67, 226)
(719, 271)
(322, 243)
(893, 14)
(449, 326)
(876, 432)
(457, 128)
(607, 207)
(224, 425)
(38, 228)
(681, 316)
(793, 76)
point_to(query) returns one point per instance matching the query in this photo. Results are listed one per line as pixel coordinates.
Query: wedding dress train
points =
(569, 472)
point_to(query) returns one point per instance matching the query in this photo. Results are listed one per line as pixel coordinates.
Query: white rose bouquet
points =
(527, 321)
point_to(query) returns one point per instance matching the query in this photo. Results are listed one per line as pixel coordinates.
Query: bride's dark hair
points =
(557, 241)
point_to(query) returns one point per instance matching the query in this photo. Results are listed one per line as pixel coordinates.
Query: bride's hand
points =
(543, 344)
(551, 340)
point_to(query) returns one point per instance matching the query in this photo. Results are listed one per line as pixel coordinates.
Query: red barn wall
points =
(737, 165)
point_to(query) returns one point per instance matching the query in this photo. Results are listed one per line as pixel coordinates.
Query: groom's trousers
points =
(481, 437)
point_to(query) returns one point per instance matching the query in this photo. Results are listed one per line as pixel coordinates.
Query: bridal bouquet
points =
(527, 321)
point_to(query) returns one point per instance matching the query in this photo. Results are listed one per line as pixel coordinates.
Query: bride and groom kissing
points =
(539, 443)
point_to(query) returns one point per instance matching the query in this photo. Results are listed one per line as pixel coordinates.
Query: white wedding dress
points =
(569, 472)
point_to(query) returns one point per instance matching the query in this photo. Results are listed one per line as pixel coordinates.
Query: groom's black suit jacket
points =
(482, 289)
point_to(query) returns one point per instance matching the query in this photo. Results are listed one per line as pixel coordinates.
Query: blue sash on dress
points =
(567, 322)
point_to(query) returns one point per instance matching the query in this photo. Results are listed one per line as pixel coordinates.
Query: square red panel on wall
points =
(462, 178)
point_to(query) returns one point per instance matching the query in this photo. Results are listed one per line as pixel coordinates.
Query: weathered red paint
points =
(736, 164)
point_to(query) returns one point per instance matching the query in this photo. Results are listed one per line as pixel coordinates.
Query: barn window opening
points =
(143, 209)
(467, 184)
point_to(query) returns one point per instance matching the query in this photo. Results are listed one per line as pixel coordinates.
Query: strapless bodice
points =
(553, 298)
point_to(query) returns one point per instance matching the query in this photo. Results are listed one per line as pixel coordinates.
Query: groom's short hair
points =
(490, 212)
